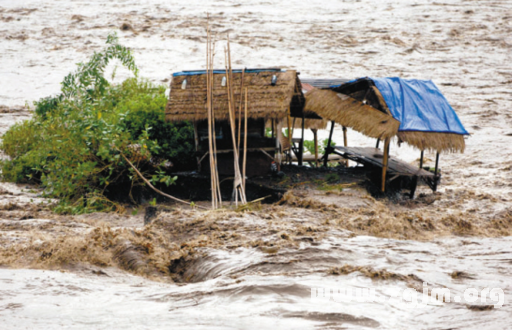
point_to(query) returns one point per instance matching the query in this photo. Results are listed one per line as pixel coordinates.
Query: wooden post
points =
(196, 141)
(414, 183)
(345, 142)
(385, 164)
(377, 145)
(315, 137)
(289, 138)
(436, 170)
(328, 148)
(301, 147)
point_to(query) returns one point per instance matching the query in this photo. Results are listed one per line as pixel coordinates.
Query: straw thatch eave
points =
(265, 100)
(434, 141)
(352, 113)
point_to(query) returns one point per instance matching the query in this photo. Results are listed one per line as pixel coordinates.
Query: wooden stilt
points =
(244, 165)
(289, 138)
(385, 164)
(328, 148)
(345, 142)
(315, 137)
(301, 147)
(237, 184)
(414, 183)
(436, 171)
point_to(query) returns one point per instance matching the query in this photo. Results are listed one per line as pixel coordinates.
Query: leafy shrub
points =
(309, 145)
(73, 144)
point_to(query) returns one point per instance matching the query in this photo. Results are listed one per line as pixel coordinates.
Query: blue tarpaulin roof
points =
(419, 105)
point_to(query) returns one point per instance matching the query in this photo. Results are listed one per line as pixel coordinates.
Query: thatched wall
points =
(433, 141)
(352, 113)
(264, 100)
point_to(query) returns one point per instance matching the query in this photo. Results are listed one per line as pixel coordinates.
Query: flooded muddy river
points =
(255, 269)
(247, 289)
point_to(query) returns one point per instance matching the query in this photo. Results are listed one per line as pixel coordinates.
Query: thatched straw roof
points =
(352, 113)
(264, 100)
(433, 141)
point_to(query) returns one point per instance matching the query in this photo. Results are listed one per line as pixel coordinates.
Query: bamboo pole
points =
(240, 109)
(212, 145)
(385, 164)
(208, 101)
(238, 180)
(153, 187)
(217, 181)
(244, 166)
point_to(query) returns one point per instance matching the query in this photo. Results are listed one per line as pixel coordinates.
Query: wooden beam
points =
(436, 171)
(328, 148)
(315, 137)
(385, 164)
(289, 137)
(301, 146)
(345, 142)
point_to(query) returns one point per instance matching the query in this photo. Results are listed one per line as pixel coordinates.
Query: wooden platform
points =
(374, 157)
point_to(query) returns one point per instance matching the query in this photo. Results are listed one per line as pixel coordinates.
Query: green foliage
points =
(73, 144)
(332, 178)
(309, 145)
(324, 144)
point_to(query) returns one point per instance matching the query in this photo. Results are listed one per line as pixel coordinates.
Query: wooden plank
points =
(373, 156)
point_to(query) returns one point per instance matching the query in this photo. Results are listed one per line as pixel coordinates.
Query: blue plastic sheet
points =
(419, 105)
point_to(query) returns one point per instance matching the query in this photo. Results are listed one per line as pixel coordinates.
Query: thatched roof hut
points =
(427, 121)
(413, 110)
(272, 94)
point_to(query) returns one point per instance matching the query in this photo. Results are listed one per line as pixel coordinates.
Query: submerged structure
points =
(414, 111)
(274, 96)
